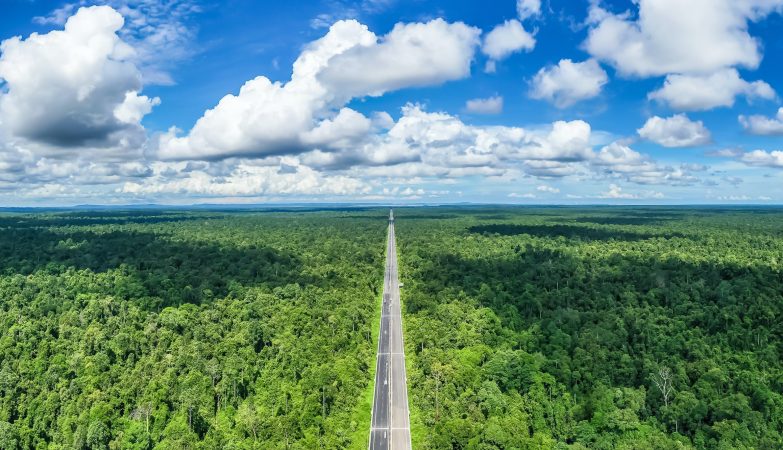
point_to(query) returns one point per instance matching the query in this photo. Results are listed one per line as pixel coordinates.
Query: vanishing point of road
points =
(390, 429)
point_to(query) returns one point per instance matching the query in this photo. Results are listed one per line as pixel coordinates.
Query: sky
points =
(391, 101)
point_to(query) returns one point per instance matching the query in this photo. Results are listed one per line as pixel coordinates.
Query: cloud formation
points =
(617, 192)
(491, 105)
(568, 82)
(762, 158)
(528, 8)
(698, 45)
(160, 31)
(671, 36)
(246, 179)
(74, 87)
(703, 92)
(314, 136)
(618, 161)
(675, 131)
(504, 40)
(268, 118)
(762, 125)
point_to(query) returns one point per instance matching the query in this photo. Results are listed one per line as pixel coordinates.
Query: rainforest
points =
(524, 327)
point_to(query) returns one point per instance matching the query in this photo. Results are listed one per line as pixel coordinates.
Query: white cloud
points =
(416, 54)
(672, 36)
(616, 154)
(703, 92)
(620, 161)
(568, 82)
(551, 169)
(74, 87)
(491, 105)
(301, 138)
(268, 118)
(528, 8)
(408, 192)
(160, 31)
(246, 180)
(57, 16)
(726, 153)
(524, 195)
(134, 107)
(548, 189)
(444, 138)
(764, 126)
(568, 141)
(341, 131)
(735, 198)
(505, 39)
(381, 120)
(617, 192)
(762, 158)
(440, 145)
(675, 131)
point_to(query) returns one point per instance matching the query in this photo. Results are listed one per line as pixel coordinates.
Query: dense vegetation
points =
(526, 328)
(596, 328)
(159, 330)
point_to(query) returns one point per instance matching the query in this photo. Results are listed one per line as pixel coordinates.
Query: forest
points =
(594, 328)
(187, 330)
(525, 327)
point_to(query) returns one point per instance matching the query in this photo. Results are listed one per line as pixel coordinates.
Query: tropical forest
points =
(524, 327)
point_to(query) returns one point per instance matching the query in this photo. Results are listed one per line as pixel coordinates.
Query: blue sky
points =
(398, 101)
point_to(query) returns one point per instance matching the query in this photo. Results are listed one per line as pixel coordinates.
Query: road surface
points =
(390, 429)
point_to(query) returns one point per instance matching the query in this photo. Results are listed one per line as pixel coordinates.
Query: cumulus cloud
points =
(134, 107)
(245, 179)
(443, 140)
(491, 105)
(703, 92)
(160, 31)
(762, 125)
(505, 39)
(416, 54)
(74, 87)
(439, 145)
(343, 130)
(671, 36)
(268, 118)
(568, 82)
(548, 189)
(762, 158)
(617, 160)
(528, 8)
(617, 192)
(675, 131)
(619, 155)
(300, 137)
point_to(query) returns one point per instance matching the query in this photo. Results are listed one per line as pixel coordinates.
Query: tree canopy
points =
(525, 328)
(600, 328)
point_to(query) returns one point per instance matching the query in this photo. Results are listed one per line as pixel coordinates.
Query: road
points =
(390, 429)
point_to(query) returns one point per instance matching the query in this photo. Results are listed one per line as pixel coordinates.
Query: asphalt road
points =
(390, 415)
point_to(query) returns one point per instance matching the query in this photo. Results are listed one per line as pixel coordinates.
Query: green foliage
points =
(155, 330)
(525, 328)
(546, 328)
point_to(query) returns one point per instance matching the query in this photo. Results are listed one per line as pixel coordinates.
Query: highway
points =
(390, 428)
